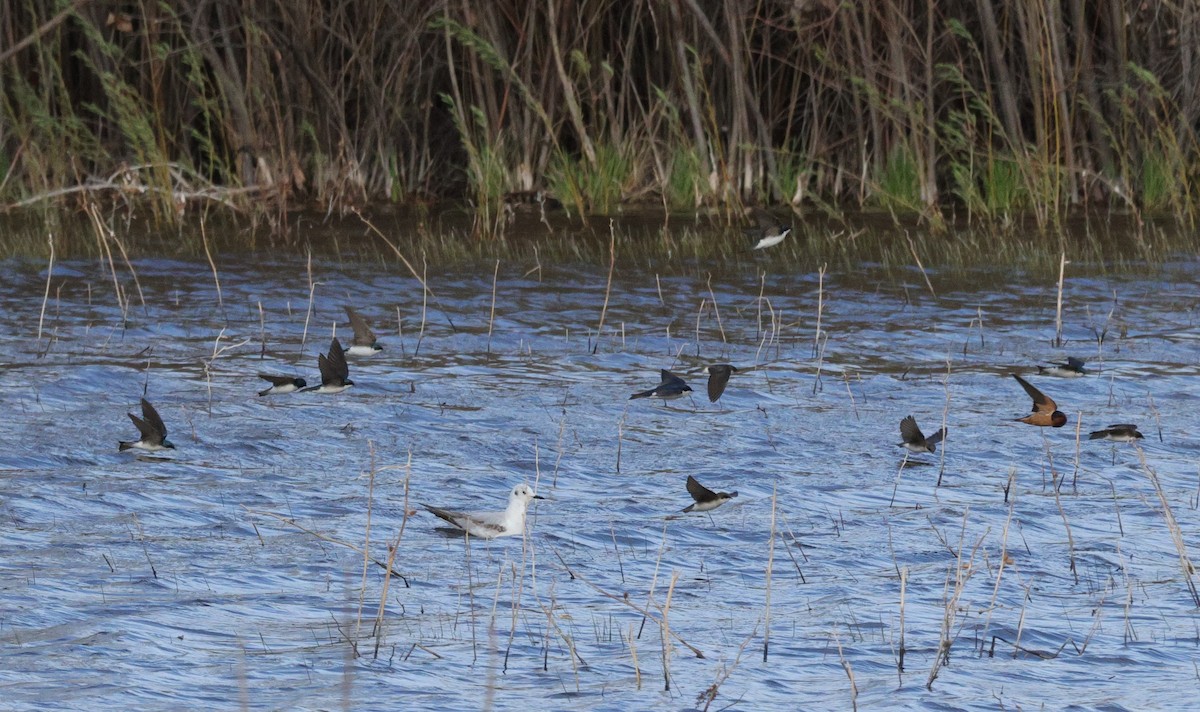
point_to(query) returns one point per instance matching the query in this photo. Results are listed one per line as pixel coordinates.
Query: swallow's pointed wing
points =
(699, 492)
(362, 332)
(152, 417)
(1041, 402)
(337, 361)
(909, 432)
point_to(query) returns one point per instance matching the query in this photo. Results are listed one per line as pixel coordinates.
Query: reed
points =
(917, 109)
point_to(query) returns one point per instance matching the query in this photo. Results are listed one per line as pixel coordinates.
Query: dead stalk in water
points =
(962, 573)
(637, 671)
(849, 672)
(666, 632)
(901, 652)
(710, 693)
(913, 249)
(262, 332)
(624, 600)
(716, 310)
(211, 263)
(218, 350)
(1185, 563)
(312, 292)
(770, 563)
(422, 278)
(326, 538)
(424, 310)
(46, 295)
(492, 315)
(1004, 559)
(393, 547)
(612, 265)
(366, 564)
(816, 350)
(1062, 271)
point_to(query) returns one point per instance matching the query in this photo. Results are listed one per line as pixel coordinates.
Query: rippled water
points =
(221, 576)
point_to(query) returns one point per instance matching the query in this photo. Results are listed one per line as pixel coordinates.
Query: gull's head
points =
(523, 493)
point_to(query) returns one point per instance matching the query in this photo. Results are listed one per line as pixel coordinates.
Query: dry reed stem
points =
(820, 310)
(262, 332)
(424, 309)
(900, 654)
(216, 353)
(987, 621)
(612, 265)
(422, 278)
(849, 672)
(492, 314)
(362, 589)
(913, 249)
(1062, 270)
(393, 547)
(710, 693)
(716, 310)
(211, 263)
(1185, 562)
(962, 574)
(666, 632)
(46, 294)
(637, 671)
(770, 563)
(326, 538)
(312, 291)
(624, 600)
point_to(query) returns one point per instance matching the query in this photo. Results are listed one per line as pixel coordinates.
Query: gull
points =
(150, 425)
(489, 525)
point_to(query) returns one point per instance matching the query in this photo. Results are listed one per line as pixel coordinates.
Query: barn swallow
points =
(718, 377)
(1045, 411)
(281, 384)
(150, 425)
(1073, 368)
(335, 373)
(914, 440)
(705, 498)
(364, 342)
(672, 386)
(770, 231)
(1119, 433)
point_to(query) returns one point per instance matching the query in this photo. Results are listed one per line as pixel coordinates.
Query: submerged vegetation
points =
(996, 113)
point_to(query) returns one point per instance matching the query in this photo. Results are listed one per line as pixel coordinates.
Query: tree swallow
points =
(770, 231)
(281, 384)
(364, 342)
(706, 499)
(1073, 368)
(1119, 433)
(914, 440)
(718, 377)
(489, 525)
(1045, 411)
(335, 373)
(672, 386)
(150, 425)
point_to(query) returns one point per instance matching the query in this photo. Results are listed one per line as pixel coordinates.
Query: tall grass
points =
(921, 108)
